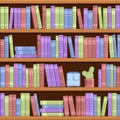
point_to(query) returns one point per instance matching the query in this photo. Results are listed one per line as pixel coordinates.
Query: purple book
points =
(109, 17)
(109, 104)
(85, 12)
(47, 72)
(42, 47)
(48, 46)
(60, 46)
(15, 18)
(57, 76)
(25, 56)
(24, 75)
(99, 78)
(15, 75)
(52, 74)
(52, 9)
(18, 20)
(51, 110)
(97, 47)
(117, 16)
(76, 46)
(2, 99)
(65, 47)
(87, 103)
(91, 104)
(45, 46)
(11, 18)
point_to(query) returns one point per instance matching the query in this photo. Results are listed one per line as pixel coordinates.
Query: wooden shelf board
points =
(60, 89)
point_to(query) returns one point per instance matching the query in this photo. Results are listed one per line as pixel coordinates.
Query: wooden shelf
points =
(60, 89)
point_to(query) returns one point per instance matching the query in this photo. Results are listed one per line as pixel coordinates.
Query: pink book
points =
(7, 76)
(10, 105)
(34, 16)
(103, 75)
(33, 105)
(42, 84)
(85, 47)
(23, 18)
(62, 78)
(95, 16)
(106, 46)
(38, 45)
(82, 105)
(89, 47)
(78, 111)
(71, 104)
(44, 16)
(30, 77)
(2, 48)
(66, 105)
(14, 105)
(80, 21)
(94, 47)
(118, 76)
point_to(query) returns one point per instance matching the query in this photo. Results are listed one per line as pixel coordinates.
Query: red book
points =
(95, 16)
(7, 76)
(44, 16)
(62, 78)
(38, 45)
(82, 102)
(14, 105)
(90, 47)
(103, 75)
(33, 105)
(78, 111)
(30, 77)
(66, 105)
(80, 21)
(42, 84)
(85, 47)
(118, 76)
(23, 18)
(2, 48)
(106, 46)
(10, 105)
(94, 47)
(34, 16)
(71, 104)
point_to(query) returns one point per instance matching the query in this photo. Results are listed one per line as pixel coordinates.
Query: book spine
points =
(117, 14)
(7, 76)
(42, 47)
(95, 16)
(15, 17)
(85, 11)
(100, 19)
(109, 104)
(23, 18)
(18, 18)
(48, 44)
(108, 75)
(103, 75)
(11, 18)
(87, 105)
(2, 76)
(28, 19)
(16, 74)
(114, 104)
(7, 105)
(2, 104)
(115, 76)
(41, 75)
(10, 105)
(11, 46)
(79, 16)
(44, 16)
(74, 17)
(106, 46)
(76, 46)
(6, 47)
(14, 104)
(65, 47)
(70, 18)
(52, 17)
(51, 110)
(78, 105)
(95, 105)
(109, 17)
(91, 104)
(6, 17)
(30, 77)
(115, 46)
(20, 75)
(23, 76)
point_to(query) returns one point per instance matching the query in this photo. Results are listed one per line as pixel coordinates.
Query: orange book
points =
(38, 45)
(14, 105)
(95, 16)
(7, 76)
(42, 84)
(78, 111)
(23, 18)
(66, 105)
(30, 77)
(103, 75)
(79, 16)
(106, 46)
(44, 16)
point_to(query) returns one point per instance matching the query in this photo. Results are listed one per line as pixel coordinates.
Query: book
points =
(105, 16)
(100, 18)
(111, 47)
(109, 18)
(52, 114)
(114, 104)
(28, 19)
(51, 110)
(98, 106)
(6, 105)
(117, 19)
(85, 14)
(11, 18)
(48, 18)
(113, 18)
(109, 104)
(51, 102)
(11, 46)
(74, 17)
(95, 16)
(79, 16)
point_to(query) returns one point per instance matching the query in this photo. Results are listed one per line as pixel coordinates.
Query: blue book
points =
(25, 48)
(90, 19)
(107, 75)
(70, 45)
(70, 19)
(52, 106)
(101, 48)
(18, 107)
(20, 75)
(28, 22)
(94, 105)
(2, 76)
(114, 75)
(118, 43)
(6, 47)
(53, 49)
(66, 14)
(115, 47)
(21, 52)
(36, 102)
(118, 104)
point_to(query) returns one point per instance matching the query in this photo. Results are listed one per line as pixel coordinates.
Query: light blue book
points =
(18, 107)
(28, 22)
(118, 104)
(53, 49)
(52, 106)
(20, 52)
(94, 105)
(36, 102)
(90, 19)
(2, 76)
(70, 45)
(20, 75)
(114, 75)
(118, 42)
(115, 47)
(101, 48)
(66, 22)
(108, 75)
(25, 48)
(6, 47)
(70, 19)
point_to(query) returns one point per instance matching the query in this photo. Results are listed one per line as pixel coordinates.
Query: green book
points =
(38, 75)
(113, 18)
(111, 47)
(56, 46)
(98, 106)
(61, 24)
(6, 17)
(111, 76)
(51, 102)
(6, 105)
(100, 17)
(52, 114)
(38, 16)
(74, 17)
(2, 18)
(57, 16)
(27, 105)
(104, 105)
(35, 74)
(80, 46)
(48, 18)
(11, 77)
(114, 104)
(11, 46)
(105, 18)
(26, 77)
